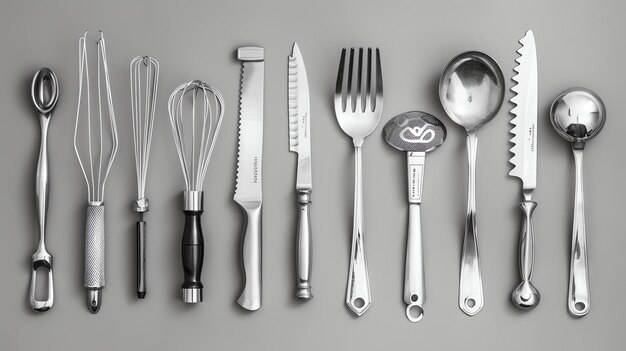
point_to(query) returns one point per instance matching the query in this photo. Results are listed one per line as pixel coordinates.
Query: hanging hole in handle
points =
(359, 302)
(414, 312)
(414, 298)
(41, 292)
(580, 306)
(471, 303)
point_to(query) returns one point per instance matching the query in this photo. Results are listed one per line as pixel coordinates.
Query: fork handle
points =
(358, 295)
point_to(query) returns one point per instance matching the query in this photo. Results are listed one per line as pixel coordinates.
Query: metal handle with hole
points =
(414, 291)
(358, 295)
(578, 300)
(44, 94)
(471, 286)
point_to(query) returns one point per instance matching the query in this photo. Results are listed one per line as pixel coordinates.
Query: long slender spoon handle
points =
(414, 291)
(578, 300)
(41, 258)
(471, 299)
(358, 295)
(44, 94)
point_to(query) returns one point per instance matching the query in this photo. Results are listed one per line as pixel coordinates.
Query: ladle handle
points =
(471, 286)
(414, 286)
(578, 300)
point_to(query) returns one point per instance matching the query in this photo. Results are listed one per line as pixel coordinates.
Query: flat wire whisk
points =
(100, 149)
(195, 133)
(95, 177)
(143, 70)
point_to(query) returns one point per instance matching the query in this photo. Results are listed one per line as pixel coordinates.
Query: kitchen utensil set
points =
(471, 91)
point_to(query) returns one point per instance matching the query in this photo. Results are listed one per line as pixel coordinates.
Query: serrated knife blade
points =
(248, 191)
(524, 123)
(300, 143)
(525, 296)
(299, 118)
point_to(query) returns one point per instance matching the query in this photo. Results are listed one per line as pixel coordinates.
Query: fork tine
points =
(359, 84)
(339, 86)
(379, 83)
(368, 87)
(348, 92)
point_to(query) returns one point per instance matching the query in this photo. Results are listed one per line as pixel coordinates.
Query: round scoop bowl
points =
(471, 89)
(414, 132)
(577, 115)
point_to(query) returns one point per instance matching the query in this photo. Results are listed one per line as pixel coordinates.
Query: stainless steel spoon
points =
(44, 94)
(578, 115)
(471, 91)
(415, 133)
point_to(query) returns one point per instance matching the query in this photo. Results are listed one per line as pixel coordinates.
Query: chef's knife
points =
(300, 143)
(249, 169)
(524, 159)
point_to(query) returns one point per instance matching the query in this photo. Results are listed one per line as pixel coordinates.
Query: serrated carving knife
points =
(248, 188)
(300, 143)
(524, 150)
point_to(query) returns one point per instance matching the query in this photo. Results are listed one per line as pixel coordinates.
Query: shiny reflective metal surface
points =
(416, 133)
(578, 115)
(95, 144)
(358, 107)
(525, 296)
(44, 94)
(300, 143)
(471, 91)
(248, 191)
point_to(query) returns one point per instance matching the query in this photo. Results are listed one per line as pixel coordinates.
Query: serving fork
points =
(358, 110)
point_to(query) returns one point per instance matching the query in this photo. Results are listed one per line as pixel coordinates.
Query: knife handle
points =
(303, 242)
(525, 296)
(250, 297)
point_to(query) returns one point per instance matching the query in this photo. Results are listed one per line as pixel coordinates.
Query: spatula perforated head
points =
(415, 132)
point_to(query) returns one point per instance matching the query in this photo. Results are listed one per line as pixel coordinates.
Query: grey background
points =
(578, 45)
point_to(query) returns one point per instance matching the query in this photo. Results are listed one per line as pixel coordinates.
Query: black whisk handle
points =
(193, 257)
(141, 259)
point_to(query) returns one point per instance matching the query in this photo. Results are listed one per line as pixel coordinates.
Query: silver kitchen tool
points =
(45, 94)
(524, 160)
(471, 91)
(248, 191)
(358, 107)
(196, 111)
(415, 133)
(578, 115)
(300, 143)
(95, 144)
(144, 82)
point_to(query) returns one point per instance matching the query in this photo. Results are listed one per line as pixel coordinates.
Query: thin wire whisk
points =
(96, 165)
(195, 133)
(195, 165)
(143, 69)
